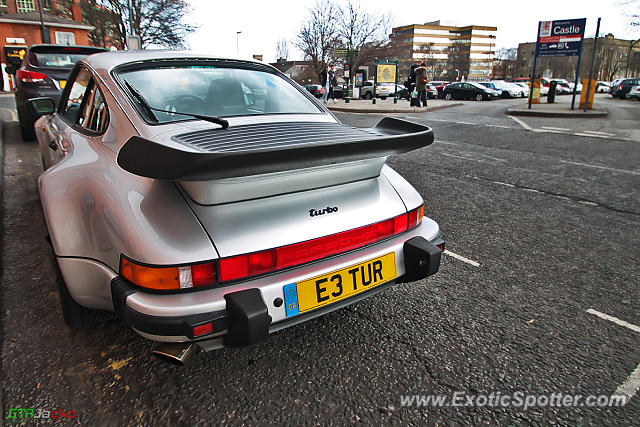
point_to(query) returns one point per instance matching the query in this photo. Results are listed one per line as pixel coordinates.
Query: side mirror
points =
(41, 106)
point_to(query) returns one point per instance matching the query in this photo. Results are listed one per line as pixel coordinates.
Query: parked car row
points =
(622, 88)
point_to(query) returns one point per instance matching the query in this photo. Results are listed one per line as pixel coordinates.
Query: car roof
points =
(109, 60)
(64, 46)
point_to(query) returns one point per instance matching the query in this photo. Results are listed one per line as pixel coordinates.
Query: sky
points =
(262, 23)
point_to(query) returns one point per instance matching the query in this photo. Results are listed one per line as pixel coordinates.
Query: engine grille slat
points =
(271, 135)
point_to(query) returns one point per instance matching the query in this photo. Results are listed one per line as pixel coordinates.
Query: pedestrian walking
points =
(325, 82)
(421, 84)
(332, 83)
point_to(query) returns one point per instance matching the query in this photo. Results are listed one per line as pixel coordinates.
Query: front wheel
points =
(368, 95)
(479, 97)
(448, 96)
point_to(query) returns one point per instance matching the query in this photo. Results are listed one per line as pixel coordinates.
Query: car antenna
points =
(212, 119)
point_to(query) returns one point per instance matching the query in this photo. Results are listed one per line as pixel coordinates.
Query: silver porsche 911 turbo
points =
(213, 201)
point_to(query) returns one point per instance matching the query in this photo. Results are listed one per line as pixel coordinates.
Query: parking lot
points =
(538, 293)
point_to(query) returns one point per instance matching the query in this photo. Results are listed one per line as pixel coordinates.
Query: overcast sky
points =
(262, 23)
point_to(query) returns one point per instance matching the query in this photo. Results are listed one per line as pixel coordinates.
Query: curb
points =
(365, 110)
(591, 114)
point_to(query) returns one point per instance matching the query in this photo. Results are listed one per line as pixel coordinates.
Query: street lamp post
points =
(238, 42)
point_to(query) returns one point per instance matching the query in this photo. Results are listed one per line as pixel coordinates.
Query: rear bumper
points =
(246, 314)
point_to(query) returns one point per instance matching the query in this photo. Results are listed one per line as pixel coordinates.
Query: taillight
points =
(30, 76)
(253, 264)
(248, 265)
(620, 87)
(168, 278)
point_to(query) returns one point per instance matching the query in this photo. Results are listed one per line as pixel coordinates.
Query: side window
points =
(94, 114)
(77, 94)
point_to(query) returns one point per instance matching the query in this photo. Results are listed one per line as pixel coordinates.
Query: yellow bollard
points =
(583, 94)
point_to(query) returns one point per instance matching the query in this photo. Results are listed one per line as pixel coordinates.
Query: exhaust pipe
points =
(173, 352)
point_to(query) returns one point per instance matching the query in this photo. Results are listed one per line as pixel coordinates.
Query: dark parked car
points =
(467, 90)
(316, 90)
(622, 88)
(44, 73)
(403, 92)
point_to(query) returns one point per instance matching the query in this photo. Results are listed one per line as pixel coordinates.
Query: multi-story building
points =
(615, 58)
(450, 52)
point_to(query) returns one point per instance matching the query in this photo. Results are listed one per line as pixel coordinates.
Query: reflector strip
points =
(248, 265)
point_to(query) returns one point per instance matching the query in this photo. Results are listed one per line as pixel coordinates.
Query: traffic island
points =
(388, 106)
(560, 109)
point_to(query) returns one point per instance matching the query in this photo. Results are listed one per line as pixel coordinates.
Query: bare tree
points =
(364, 31)
(282, 49)
(507, 61)
(318, 36)
(157, 22)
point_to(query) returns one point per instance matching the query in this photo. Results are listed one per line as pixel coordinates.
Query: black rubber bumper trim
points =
(161, 325)
(421, 259)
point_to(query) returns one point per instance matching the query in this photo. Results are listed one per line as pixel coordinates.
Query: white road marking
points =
(599, 133)
(552, 128)
(466, 123)
(461, 258)
(521, 123)
(631, 386)
(601, 167)
(549, 131)
(503, 183)
(614, 320)
(590, 134)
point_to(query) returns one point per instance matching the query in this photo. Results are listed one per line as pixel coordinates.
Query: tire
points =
(383, 98)
(479, 97)
(26, 127)
(368, 95)
(448, 96)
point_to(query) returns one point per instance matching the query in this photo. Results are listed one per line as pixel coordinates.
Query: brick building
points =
(20, 27)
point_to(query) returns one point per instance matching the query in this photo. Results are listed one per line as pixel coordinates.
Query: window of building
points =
(3, 3)
(46, 4)
(23, 6)
(65, 38)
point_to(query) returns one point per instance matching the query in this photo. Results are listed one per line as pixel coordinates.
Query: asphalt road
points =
(547, 224)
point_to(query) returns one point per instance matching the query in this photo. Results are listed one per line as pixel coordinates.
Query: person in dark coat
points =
(324, 81)
(421, 84)
(412, 82)
(331, 76)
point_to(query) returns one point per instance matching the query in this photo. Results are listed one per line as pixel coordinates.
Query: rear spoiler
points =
(275, 147)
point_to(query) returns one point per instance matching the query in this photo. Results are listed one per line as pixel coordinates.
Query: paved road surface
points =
(541, 227)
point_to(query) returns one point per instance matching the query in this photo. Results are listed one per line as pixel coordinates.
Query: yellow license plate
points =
(331, 287)
(63, 83)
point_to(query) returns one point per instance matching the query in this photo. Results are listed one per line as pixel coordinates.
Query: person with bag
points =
(324, 81)
(412, 83)
(421, 85)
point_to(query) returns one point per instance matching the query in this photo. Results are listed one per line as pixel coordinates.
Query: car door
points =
(54, 139)
(467, 91)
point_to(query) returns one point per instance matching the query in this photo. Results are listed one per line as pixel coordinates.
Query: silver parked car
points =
(212, 201)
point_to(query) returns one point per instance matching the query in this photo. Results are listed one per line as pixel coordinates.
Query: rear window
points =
(214, 91)
(58, 57)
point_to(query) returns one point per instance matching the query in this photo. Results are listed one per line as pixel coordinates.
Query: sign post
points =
(346, 53)
(386, 72)
(561, 38)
